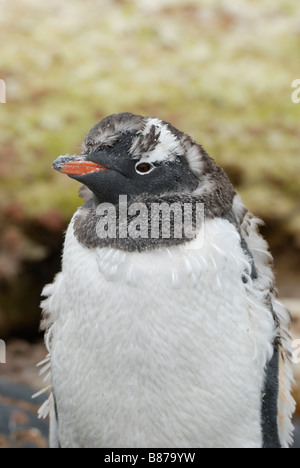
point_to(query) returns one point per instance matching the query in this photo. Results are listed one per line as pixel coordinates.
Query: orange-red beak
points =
(75, 166)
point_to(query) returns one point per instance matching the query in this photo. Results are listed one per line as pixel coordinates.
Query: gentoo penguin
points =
(156, 337)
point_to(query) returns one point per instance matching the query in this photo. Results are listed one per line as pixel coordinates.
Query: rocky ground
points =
(19, 380)
(19, 425)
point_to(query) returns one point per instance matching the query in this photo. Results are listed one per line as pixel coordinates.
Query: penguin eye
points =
(144, 168)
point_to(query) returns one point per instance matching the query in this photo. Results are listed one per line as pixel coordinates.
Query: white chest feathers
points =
(159, 349)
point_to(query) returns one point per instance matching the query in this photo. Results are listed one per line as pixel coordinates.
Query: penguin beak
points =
(76, 166)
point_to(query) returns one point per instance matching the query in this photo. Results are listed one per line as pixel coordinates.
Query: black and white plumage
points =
(164, 342)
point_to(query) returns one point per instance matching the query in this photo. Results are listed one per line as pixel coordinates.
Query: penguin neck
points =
(145, 222)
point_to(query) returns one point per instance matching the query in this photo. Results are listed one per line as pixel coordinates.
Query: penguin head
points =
(127, 154)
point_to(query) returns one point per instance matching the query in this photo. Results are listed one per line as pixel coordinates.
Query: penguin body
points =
(164, 343)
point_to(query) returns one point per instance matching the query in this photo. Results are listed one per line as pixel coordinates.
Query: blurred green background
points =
(220, 71)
